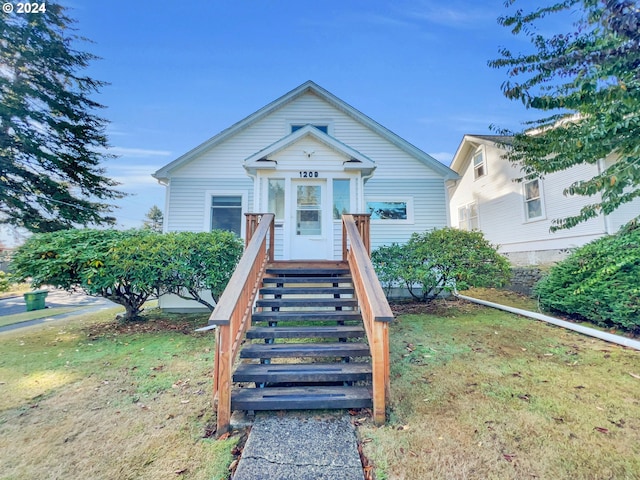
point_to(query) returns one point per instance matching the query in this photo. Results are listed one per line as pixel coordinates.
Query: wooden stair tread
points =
(327, 315)
(300, 398)
(321, 279)
(302, 372)
(338, 331)
(307, 291)
(311, 271)
(289, 350)
(307, 302)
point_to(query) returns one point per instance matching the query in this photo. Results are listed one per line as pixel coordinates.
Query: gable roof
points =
(308, 86)
(357, 161)
(471, 142)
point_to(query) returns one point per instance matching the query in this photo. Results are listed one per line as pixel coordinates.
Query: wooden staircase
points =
(271, 314)
(305, 349)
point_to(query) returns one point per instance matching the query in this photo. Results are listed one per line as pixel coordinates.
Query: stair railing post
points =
(375, 310)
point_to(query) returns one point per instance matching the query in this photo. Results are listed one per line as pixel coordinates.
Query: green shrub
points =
(5, 281)
(127, 267)
(441, 260)
(599, 282)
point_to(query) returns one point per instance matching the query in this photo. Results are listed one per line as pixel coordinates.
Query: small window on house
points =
(226, 214)
(387, 210)
(276, 197)
(479, 166)
(341, 197)
(468, 217)
(322, 128)
(533, 200)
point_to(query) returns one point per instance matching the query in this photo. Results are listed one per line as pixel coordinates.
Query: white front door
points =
(310, 220)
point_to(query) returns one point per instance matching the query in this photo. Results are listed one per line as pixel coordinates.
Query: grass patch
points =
(34, 315)
(477, 393)
(94, 398)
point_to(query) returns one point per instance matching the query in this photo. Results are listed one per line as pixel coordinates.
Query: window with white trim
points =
(276, 197)
(226, 213)
(468, 217)
(533, 208)
(341, 197)
(479, 165)
(298, 126)
(390, 210)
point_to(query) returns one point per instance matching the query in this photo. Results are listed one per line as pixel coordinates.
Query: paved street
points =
(55, 298)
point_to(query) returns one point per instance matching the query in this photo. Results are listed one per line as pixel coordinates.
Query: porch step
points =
(311, 271)
(307, 316)
(310, 350)
(301, 398)
(306, 302)
(307, 291)
(306, 332)
(303, 372)
(307, 279)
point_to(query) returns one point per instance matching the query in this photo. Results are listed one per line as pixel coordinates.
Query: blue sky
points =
(182, 71)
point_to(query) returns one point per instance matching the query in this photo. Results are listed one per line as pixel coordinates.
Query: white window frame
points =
(479, 152)
(526, 201)
(318, 121)
(467, 216)
(209, 194)
(407, 200)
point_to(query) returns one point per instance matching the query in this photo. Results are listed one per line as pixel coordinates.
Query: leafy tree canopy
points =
(50, 138)
(588, 84)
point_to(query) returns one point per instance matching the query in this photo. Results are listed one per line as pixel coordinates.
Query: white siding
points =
(429, 208)
(188, 209)
(225, 160)
(501, 209)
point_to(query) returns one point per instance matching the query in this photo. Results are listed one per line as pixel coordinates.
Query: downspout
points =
(592, 332)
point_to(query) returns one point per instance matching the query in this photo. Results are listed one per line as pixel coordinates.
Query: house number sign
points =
(308, 174)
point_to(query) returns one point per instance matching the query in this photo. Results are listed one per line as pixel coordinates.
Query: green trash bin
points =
(35, 299)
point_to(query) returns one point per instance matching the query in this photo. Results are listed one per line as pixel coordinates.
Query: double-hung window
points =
(226, 213)
(468, 217)
(479, 165)
(533, 207)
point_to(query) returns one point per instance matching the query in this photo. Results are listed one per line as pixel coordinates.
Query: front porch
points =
(329, 317)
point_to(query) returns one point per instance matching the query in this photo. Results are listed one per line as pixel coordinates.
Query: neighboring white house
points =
(308, 157)
(517, 216)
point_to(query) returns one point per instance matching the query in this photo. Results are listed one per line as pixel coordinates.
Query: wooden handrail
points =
(232, 314)
(375, 310)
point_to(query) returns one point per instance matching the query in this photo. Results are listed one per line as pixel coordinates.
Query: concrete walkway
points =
(295, 447)
(55, 298)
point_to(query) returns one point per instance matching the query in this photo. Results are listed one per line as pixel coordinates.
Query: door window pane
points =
(226, 214)
(341, 198)
(308, 210)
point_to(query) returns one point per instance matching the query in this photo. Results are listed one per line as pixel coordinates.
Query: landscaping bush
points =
(599, 282)
(5, 281)
(127, 267)
(441, 260)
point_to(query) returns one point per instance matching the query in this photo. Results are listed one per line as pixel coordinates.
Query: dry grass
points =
(92, 399)
(482, 394)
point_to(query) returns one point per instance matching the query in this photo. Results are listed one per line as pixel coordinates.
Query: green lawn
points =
(475, 394)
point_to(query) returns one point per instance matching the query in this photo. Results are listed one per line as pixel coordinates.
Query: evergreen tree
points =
(588, 84)
(51, 141)
(154, 219)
